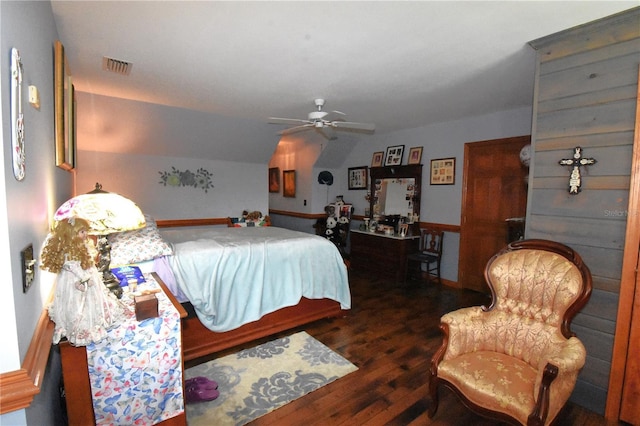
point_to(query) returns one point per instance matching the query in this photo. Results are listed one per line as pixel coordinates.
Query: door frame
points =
(628, 291)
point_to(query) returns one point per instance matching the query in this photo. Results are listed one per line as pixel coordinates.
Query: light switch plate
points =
(28, 267)
(34, 97)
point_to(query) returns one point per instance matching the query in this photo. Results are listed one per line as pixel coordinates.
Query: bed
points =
(240, 283)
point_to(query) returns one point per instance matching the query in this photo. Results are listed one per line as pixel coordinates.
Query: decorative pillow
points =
(241, 222)
(138, 246)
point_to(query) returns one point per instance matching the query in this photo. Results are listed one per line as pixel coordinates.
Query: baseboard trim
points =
(18, 387)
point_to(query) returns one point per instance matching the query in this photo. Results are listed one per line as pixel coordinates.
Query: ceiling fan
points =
(324, 122)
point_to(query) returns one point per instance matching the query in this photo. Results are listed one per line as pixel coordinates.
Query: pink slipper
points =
(201, 382)
(195, 393)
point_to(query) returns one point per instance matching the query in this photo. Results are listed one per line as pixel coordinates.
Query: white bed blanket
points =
(233, 276)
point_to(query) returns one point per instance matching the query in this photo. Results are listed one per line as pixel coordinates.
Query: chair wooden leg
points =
(410, 270)
(433, 395)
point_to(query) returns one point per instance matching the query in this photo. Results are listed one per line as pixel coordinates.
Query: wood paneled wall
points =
(586, 90)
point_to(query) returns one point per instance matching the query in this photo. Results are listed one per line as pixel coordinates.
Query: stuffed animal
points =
(330, 210)
(254, 215)
(331, 222)
(330, 232)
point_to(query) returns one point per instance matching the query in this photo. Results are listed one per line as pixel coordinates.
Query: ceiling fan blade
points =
(328, 132)
(348, 125)
(335, 116)
(277, 120)
(296, 129)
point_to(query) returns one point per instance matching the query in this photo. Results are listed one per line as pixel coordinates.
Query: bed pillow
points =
(241, 222)
(138, 246)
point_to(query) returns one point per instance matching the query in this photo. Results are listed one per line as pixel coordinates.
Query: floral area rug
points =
(256, 381)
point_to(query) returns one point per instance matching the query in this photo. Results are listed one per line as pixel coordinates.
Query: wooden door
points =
(494, 189)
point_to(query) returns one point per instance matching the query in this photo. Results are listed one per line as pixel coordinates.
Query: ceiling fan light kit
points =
(319, 120)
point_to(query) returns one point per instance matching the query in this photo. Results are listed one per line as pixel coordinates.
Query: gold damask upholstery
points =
(517, 360)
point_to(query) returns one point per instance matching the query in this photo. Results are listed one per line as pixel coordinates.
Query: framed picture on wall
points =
(376, 160)
(274, 179)
(415, 155)
(358, 177)
(64, 108)
(394, 155)
(289, 183)
(443, 171)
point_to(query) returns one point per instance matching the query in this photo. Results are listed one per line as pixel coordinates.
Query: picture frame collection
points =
(442, 170)
(393, 156)
(288, 182)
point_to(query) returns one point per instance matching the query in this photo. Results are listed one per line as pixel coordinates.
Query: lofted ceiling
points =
(398, 64)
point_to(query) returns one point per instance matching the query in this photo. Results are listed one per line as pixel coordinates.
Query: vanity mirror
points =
(389, 235)
(395, 191)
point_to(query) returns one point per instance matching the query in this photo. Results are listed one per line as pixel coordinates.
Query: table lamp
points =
(107, 213)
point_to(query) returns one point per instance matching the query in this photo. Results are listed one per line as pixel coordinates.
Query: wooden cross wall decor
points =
(575, 180)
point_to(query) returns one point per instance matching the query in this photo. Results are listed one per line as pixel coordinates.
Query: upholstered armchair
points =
(517, 360)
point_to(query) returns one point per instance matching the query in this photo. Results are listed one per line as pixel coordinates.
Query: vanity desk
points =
(381, 254)
(394, 195)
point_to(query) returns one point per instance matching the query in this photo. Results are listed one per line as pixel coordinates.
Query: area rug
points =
(256, 381)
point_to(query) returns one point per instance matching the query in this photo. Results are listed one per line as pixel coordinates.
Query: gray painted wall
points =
(586, 96)
(28, 205)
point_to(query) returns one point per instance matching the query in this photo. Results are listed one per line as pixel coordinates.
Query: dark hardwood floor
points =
(390, 334)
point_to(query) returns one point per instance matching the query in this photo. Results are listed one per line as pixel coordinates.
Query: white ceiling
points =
(398, 64)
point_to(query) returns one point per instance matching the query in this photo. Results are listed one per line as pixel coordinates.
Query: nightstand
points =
(76, 365)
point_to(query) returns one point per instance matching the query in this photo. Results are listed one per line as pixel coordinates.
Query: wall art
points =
(358, 177)
(415, 155)
(577, 161)
(17, 117)
(201, 178)
(376, 160)
(394, 155)
(443, 171)
(274, 179)
(64, 108)
(289, 183)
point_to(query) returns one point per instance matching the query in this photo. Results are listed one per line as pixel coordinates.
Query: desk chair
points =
(430, 253)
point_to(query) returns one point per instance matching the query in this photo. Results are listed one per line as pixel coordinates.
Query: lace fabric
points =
(83, 309)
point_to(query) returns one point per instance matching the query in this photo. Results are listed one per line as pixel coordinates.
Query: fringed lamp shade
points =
(106, 212)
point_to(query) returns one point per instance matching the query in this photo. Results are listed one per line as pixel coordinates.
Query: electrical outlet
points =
(28, 267)
(305, 202)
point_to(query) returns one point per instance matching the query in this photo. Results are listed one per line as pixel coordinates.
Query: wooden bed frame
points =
(198, 341)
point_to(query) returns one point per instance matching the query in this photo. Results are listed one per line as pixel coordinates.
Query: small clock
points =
(525, 155)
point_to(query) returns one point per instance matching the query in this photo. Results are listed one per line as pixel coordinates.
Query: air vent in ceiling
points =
(116, 66)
